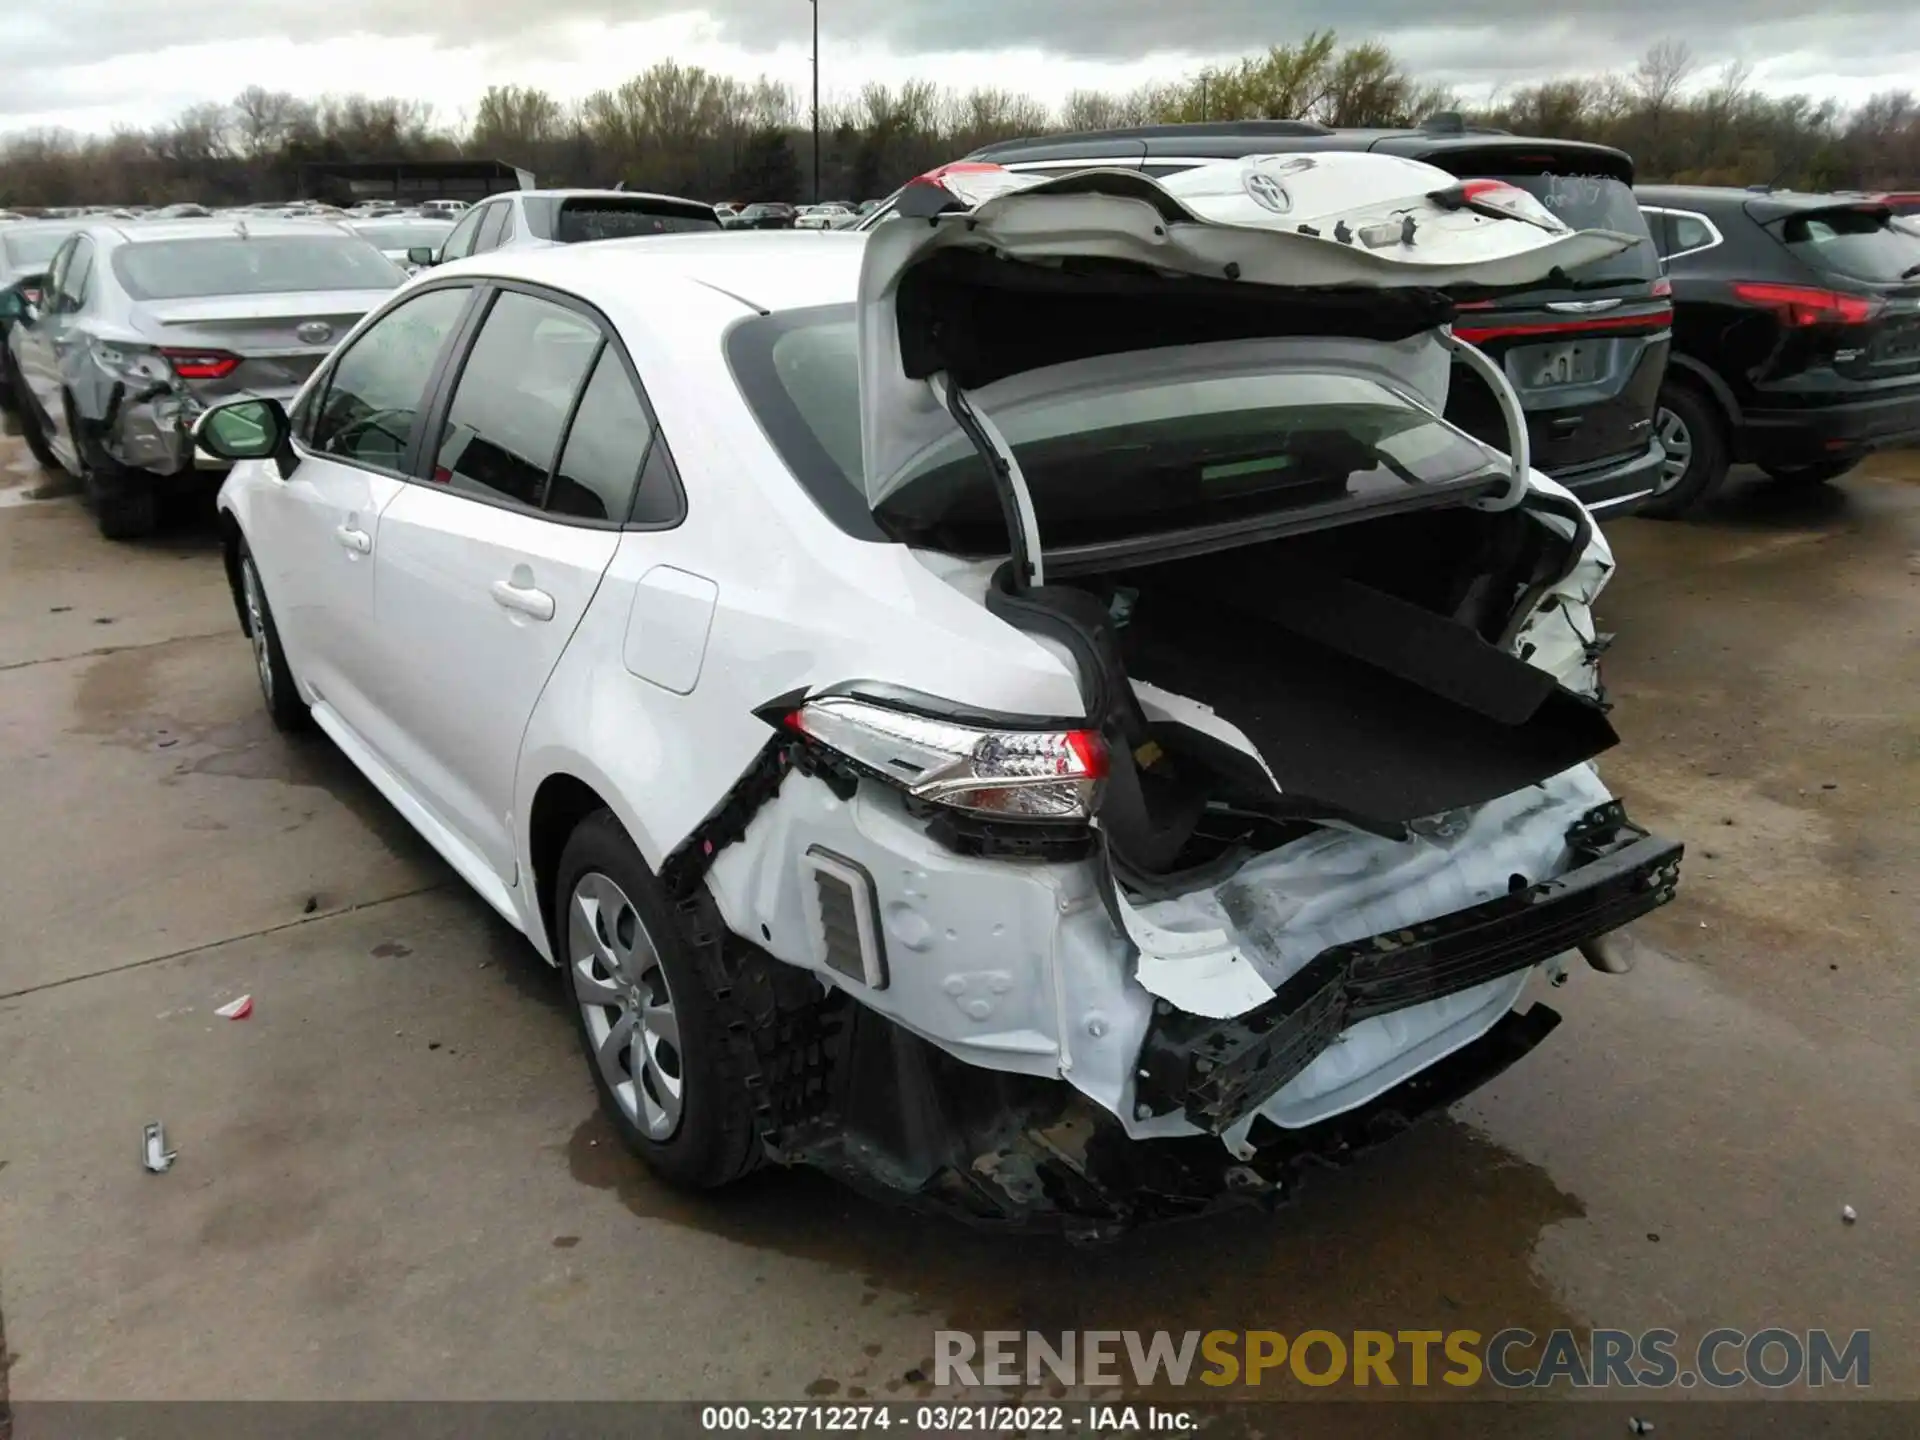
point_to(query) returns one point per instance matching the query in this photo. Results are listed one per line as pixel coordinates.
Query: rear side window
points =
(605, 447)
(611, 218)
(1691, 232)
(513, 398)
(1597, 202)
(1150, 455)
(255, 265)
(374, 393)
(1858, 244)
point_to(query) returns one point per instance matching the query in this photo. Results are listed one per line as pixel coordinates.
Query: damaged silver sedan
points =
(141, 326)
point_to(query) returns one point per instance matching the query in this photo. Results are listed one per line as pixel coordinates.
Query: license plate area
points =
(1555, 367)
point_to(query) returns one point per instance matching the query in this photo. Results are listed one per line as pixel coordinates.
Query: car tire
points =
(277, 688)
(125, 504)
(31, 430)
(9, 399)
(1690, 426)
(637, 988)
(1805, 477)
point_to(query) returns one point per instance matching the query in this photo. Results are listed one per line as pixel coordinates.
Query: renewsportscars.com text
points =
(1722, 1359)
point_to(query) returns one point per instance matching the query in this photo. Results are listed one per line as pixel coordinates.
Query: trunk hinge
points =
(1016, 501)
(1519, 449)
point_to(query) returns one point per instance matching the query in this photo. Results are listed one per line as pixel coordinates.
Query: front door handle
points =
(524, 598)
(354, 538)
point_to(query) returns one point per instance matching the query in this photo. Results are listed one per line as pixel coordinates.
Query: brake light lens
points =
(1649, 320)
(1804, 305)
(1501, 200)
(1663, 289)
(201, 364)
(1009, 773)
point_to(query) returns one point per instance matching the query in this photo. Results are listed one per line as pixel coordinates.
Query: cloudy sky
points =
(91, 64)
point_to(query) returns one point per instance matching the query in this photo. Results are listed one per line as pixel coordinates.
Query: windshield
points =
(1151, 455)
(404, 237)
(256, 265)
(1860, 244)
(612, 219)
(1597, 202)
(31, 247)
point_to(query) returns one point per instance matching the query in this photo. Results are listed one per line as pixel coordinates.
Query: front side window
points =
(1152, 454)
(376, 389)
(513, 398)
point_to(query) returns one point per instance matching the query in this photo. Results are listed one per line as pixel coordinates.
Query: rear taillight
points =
(201, 364)
(1658, 319)
(30, 293)
(1499, 200)
(1663, 289)
(1803, 305)
(1000, 771)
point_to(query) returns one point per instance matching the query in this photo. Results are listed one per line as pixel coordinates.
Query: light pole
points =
(816, 101)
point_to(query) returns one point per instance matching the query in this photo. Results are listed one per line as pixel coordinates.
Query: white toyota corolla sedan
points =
(1031, 708)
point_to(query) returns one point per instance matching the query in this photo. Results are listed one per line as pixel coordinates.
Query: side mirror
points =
(421, 255)
(247, 429)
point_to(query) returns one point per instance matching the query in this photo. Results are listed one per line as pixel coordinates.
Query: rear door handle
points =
(354, 539)
(523, 598)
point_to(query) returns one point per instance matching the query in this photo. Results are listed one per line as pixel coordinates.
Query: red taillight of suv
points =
(201, 364)
(1803, 305)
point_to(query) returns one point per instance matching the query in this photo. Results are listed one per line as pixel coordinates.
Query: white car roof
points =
(768, 269)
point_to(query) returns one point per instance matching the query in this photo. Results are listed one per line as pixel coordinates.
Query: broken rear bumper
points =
(1218, 1072)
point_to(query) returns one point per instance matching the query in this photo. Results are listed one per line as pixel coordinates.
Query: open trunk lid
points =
(996, 279)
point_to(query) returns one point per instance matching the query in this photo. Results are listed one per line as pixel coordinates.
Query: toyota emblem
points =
(1269, 193)
(315, 332)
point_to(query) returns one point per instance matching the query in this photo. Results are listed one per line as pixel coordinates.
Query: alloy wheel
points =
(1677, 441)
(257, 626)
(626, 1004)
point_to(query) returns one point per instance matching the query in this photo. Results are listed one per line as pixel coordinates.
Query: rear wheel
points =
(1695, 439)
(125, 504)
(1801, 477)
(30, 428)
(668, 1073)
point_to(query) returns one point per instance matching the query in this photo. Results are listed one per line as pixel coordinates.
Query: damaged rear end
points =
(1274, 886)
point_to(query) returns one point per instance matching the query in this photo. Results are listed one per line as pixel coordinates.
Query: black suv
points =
(1796, 335)
(1585, 356)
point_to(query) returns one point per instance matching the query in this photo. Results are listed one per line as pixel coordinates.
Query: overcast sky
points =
(90, 64)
